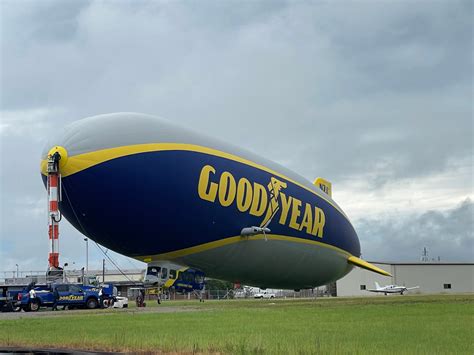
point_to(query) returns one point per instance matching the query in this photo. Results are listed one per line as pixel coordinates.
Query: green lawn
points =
(392, 324)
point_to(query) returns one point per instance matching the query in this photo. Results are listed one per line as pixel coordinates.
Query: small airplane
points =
(391, 289)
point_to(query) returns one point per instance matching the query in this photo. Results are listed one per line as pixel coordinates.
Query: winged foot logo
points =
(258, 200)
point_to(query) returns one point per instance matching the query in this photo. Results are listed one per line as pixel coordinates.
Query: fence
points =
(233, 294)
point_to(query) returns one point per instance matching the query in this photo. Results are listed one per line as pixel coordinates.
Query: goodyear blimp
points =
(165, 195)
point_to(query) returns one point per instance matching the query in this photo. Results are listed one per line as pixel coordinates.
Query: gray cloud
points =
(448, 234)
(361, 90)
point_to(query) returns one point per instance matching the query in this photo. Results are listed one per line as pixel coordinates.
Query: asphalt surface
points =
(49, 313)
(16, 350)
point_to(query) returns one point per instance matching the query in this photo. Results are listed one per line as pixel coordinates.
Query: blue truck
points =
(9, 298)
(68, 295)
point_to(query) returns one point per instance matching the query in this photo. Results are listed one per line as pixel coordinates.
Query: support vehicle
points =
(264, 294)
(69, 295)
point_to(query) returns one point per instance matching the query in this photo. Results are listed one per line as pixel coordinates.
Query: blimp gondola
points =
(160, 193)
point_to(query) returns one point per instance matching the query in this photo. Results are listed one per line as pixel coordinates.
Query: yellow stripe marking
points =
(232, 240)
(83, 161)
(169, 283)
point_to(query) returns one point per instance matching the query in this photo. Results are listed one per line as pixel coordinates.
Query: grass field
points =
(392, 324)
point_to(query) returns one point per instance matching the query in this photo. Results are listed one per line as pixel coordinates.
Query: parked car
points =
(264, 294)
(120, 302)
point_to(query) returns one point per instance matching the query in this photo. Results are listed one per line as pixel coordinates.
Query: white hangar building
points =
(431, 277)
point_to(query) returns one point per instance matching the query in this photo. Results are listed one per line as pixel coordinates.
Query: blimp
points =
(166, 195)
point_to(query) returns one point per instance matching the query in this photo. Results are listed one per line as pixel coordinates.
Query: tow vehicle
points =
(70, 295)
(8, 299)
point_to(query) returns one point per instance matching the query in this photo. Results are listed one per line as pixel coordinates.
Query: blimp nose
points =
(56, 159)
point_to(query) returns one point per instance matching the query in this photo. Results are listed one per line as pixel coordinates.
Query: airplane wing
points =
(365, 265)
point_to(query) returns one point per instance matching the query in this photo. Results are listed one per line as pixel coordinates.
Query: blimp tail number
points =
(324, 185)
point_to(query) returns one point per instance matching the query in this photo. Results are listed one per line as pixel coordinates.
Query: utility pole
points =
(103, 270)
(64, 272)
(87, 255)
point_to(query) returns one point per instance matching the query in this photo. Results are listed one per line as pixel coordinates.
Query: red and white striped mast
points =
(54, 216)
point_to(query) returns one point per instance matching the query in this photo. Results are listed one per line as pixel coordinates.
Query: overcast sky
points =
(375, 96)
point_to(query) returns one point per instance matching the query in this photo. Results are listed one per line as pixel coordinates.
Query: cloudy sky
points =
(375, 96)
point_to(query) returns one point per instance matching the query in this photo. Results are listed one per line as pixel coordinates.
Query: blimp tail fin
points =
(324, 185)
(368, 266)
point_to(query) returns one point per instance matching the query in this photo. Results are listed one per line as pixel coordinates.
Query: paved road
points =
(98, 312)
(34, 351)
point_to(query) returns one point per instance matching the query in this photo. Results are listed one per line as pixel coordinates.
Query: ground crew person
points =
(101, 298)
(56, 299)
(32, 294)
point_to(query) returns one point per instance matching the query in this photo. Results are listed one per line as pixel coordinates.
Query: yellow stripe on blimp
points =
(368, 266)
(83, 161)
(232, 240)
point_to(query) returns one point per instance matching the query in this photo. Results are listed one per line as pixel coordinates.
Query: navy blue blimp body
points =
(161, 194)
(149, 203)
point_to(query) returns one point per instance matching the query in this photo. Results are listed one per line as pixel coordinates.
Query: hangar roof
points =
(421, 263)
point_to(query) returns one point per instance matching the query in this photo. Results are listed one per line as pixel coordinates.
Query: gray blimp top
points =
(127, 128)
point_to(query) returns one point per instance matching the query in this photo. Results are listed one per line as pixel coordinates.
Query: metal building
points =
(431, 277)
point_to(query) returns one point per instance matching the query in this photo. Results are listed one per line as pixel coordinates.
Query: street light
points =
(64, 272)
(17, 272)
(87, 255)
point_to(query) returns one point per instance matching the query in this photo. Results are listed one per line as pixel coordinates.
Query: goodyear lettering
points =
(259, 201)
(244, 195)
(319, 221)
(207, 190)
(255, 199)
(71, 298)
(274, 187)
(295, 213)
(285, 204)
(227, 189)
(307, 221)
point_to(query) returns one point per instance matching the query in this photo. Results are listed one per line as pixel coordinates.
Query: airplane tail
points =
(377, 286)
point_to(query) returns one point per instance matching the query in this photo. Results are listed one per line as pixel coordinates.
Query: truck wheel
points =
(91, 303)
(34, 306)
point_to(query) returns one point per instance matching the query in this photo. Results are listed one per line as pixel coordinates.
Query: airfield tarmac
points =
(96, 312)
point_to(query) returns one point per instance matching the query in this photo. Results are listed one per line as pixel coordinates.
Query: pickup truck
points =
(264, 294)
(70, 295)
(8, 299)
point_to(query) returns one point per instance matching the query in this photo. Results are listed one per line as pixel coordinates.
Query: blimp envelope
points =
(154, 191)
